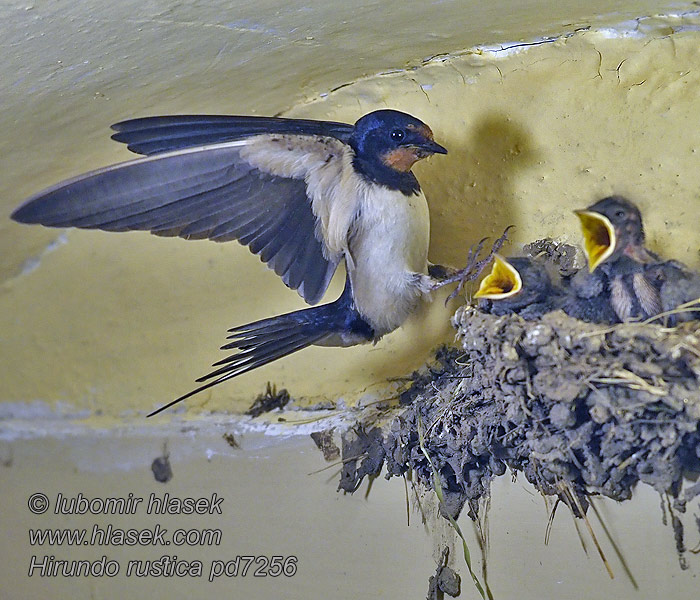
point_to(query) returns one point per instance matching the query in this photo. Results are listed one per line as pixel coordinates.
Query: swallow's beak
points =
(502, 282)
(429, 147)
(599, 237)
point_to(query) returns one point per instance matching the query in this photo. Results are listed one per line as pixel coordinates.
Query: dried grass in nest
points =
(578, 409)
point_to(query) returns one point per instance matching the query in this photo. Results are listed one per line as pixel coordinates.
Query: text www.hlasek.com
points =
(109, 535)
(112, 536)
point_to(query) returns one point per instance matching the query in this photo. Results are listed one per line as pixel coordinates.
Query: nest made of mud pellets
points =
(580, 409)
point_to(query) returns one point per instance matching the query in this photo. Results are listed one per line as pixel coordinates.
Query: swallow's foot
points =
(441, 272)
(474, 266)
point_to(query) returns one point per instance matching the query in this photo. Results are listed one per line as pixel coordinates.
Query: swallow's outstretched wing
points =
(249, 179)
(153, 135)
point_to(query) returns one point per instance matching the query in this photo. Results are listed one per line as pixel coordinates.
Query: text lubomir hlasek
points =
(129, 505)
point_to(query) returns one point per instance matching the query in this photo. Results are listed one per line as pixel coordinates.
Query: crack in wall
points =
(647, 26)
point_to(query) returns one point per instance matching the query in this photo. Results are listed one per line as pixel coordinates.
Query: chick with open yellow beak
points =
(517, 285)
(613, 237)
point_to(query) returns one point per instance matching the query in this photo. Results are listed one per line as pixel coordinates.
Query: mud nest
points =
(579, 409)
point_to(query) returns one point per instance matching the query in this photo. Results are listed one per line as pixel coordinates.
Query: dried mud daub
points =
(578, 409)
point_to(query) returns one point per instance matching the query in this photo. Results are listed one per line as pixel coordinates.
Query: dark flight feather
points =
(153, 135)
(195, 194)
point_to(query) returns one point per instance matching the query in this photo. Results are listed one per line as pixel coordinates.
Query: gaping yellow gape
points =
(502, 282)
(599, 237)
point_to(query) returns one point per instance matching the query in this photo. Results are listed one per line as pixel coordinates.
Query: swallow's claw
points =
(474, 267)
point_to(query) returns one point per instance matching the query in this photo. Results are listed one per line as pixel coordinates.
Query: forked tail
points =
(261, 342)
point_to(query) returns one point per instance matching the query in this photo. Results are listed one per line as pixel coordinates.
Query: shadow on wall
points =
(476, 192)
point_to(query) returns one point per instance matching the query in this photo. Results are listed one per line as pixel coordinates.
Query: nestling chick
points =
(517, 285)
(679, 286)
(614, 245)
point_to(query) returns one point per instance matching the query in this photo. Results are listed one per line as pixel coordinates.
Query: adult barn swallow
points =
(517, 285)
(614, 243)
(304, 195)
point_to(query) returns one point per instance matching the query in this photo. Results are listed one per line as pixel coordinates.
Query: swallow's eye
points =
(619, 214)
(397, 135)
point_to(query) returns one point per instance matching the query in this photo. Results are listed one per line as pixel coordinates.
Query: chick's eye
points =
(397, 135)
(620, 213)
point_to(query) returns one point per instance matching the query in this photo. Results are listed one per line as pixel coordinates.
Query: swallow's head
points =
(612, 227)
(393, 140)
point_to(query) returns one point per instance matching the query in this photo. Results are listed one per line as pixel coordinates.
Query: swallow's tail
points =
(261, 342)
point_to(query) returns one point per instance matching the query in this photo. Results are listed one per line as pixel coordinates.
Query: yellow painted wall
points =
(114, 323)
(105, 326)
